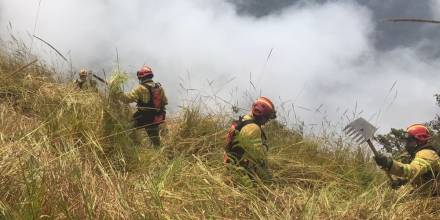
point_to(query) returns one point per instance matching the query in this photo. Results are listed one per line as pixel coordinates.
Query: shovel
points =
(362, 131)
(100, 79)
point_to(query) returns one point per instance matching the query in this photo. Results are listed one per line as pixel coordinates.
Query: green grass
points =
(72, 154)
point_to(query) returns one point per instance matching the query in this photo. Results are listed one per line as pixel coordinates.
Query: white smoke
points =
(435, 8)
(323, 56)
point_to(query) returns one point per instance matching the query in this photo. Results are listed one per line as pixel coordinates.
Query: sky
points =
(320, 61)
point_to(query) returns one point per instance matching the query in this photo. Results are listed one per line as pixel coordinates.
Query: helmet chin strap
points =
(411, 150)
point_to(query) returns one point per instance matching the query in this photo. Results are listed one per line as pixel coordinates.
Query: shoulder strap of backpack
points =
(241, 123)
(147, 87)
(263, 135)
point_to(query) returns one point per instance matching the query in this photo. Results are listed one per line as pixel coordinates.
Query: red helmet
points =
(419, 132)
(263, 107)
(145, 72)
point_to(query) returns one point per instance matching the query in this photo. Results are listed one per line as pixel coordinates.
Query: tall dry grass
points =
(73, 154)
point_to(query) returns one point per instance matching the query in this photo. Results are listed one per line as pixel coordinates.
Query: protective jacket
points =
(85, 84)
(247, 147)
(151, 101)
(423, 170)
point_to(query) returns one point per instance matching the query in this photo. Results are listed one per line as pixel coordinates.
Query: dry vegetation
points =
(71, 154)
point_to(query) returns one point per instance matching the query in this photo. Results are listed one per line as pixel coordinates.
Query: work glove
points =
(396, 184)
(383, 161)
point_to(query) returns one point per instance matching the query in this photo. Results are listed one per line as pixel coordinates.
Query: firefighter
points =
(84, 81)
(422, 172)
(150, 101)
(246, 146)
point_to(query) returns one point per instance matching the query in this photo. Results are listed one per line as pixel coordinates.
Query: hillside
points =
(72, 154)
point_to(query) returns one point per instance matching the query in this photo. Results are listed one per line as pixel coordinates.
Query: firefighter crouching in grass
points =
(150, 103)
(247, 147)
(423, 170)
(84, 82)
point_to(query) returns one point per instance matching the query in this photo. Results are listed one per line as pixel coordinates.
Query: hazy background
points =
(329, 59)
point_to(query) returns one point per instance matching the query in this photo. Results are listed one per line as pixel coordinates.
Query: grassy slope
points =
(70, 154)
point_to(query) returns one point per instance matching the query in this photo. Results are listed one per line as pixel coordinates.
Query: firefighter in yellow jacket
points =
(423, 170)
(84, 81)
(151, 101)
(247, 143)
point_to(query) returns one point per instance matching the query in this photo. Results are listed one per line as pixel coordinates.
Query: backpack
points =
(152, 112)
(156, 96)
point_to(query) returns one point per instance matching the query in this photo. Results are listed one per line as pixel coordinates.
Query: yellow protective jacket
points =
(142, 93)
(422, 172)
(85, 84)
(252, 140)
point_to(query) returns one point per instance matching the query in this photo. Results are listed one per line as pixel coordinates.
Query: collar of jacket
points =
(148, 82)
(248, 117)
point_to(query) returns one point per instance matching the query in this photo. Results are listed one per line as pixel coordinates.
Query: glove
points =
(396, 184)
(383, 161)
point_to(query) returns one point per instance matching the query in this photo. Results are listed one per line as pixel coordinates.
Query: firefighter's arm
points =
(421, 164)
(138, 93)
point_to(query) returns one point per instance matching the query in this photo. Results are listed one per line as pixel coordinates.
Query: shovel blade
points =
(360, 130)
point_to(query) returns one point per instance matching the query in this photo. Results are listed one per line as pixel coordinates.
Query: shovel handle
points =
(370, 144)
(100, 79)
